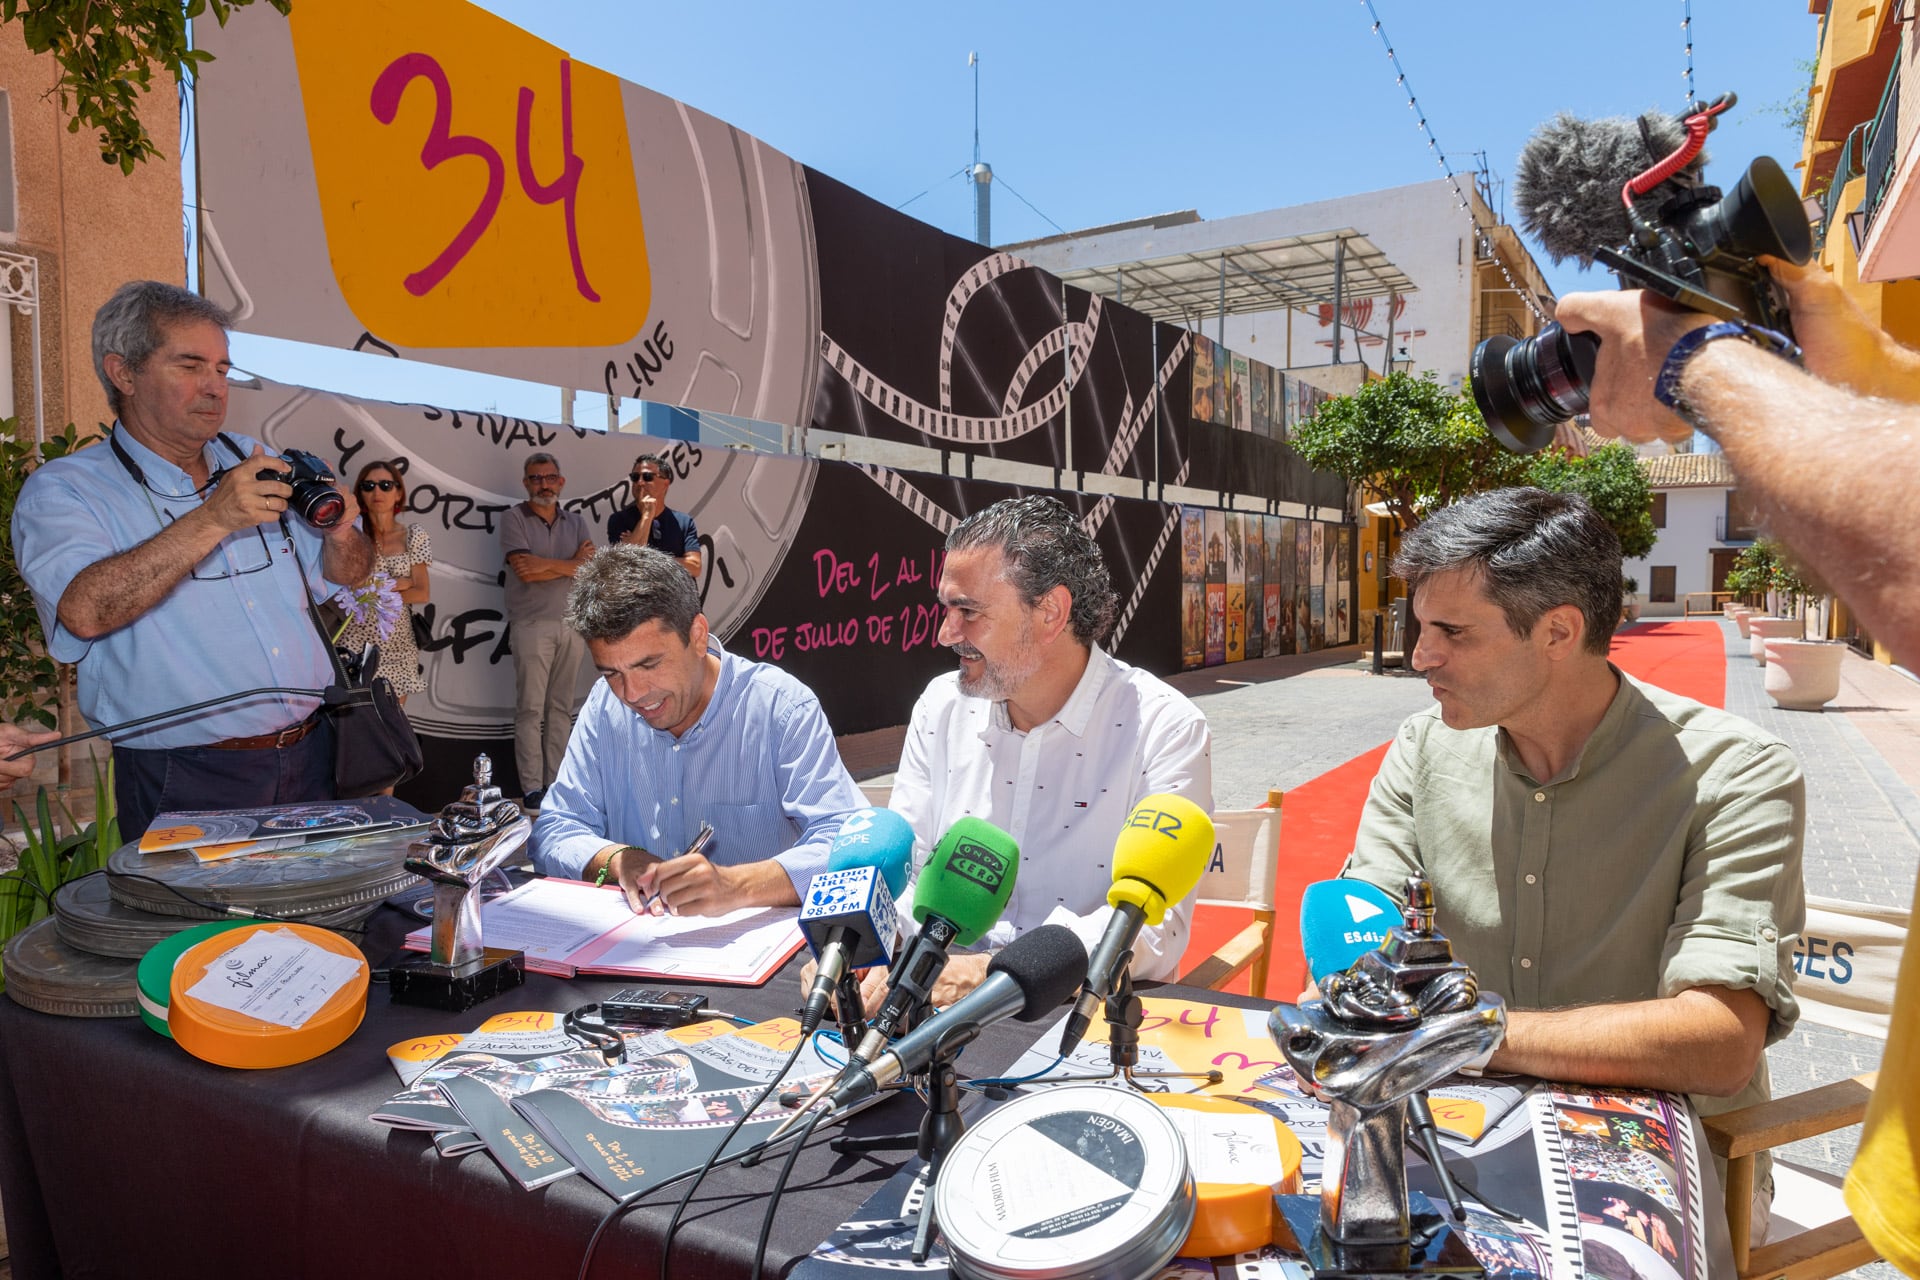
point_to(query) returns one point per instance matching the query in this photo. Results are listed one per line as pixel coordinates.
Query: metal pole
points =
(1339, 291)
(1220, 329)
(1386, 359)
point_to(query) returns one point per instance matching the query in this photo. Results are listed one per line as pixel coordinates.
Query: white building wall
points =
(1687, 544)
(1419, 227)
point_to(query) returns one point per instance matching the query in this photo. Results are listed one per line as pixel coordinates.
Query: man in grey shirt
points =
(544, 545)
(1622, 863)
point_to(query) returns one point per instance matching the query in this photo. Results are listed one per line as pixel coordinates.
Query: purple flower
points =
(375, 603)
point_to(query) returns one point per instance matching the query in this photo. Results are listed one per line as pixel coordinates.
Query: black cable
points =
(673, 1224)
(779, 1189)
(225, 910)
(332, 696)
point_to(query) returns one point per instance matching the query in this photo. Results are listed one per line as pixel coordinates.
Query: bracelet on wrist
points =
(606, 868)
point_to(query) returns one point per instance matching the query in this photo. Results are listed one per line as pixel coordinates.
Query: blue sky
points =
(1099, 112)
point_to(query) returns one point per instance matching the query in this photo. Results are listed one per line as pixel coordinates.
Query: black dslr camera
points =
(1697, 251)
(314, 499)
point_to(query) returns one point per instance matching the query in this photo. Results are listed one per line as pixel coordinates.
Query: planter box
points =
(1804, 675)
(1761, 630)
(1741, 616)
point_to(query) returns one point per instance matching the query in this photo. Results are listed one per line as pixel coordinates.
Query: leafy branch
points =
(108, 53)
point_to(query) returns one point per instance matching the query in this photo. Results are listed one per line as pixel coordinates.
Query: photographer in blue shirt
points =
(164, 566)
(679, 732)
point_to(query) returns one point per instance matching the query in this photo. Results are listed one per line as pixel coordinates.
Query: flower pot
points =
(1741, 615)
(1804, 675)
(1761, 630)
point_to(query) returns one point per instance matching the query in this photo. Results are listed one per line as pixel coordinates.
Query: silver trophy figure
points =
(472, 837)
(1398, 1021)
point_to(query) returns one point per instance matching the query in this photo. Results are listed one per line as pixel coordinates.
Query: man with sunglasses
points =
(167, 569)
(545, 546)
(650, 522)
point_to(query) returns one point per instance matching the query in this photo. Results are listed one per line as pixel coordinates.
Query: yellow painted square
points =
(448, 225)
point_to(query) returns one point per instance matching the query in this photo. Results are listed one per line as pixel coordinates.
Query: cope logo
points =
(975, 862)
(1158, 821)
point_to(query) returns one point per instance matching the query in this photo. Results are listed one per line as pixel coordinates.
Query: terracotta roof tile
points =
(1688, 471)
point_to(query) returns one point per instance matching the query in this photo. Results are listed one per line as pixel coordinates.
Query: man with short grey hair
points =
(681, 732)
(1621, 863)
(1042, 732)
(544, 547)
(167, 569)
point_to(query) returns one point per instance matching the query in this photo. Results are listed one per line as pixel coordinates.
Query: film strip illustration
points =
(1074, 338)
(895, 486)
(886, 1244)
(1680, 1126)
(1134, 418)
(1168, 531)
(1563, 1213)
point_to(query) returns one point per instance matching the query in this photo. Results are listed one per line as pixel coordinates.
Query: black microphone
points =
(1027, 980)
(1567, 181)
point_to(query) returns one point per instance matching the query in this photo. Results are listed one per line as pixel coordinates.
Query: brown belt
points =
(282, 738)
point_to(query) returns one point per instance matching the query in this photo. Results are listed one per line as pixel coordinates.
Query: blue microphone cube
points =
(855, 899)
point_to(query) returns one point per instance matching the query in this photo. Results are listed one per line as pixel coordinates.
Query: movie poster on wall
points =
(1316, 554)
(1205, 385)
(1317, 617)
(1236, 589)
(1222, 386)
(1193, 587)
(1261, 385)
(1242, 394)
(1253, 538)
(1302, 585)
(1216, 524)
(1280, 584)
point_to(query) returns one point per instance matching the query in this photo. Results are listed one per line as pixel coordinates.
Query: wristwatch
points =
(1666, 387)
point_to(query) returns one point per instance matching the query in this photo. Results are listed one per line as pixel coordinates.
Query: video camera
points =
(1698, 251)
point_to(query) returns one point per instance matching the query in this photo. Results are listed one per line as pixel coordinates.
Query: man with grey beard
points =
(1042, 732)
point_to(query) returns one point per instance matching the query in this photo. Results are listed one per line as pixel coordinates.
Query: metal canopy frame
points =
(1271, 275)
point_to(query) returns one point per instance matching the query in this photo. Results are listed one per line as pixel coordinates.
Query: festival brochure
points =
(213, 835)
(628, 1132)
(1607, 1181)
(569, 927)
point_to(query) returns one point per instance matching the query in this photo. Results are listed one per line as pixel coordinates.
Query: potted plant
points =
(1804, 675)
(1630, 600)
(50, 858)
(1760, 630)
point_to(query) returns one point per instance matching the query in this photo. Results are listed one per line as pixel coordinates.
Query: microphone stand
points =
(939, 1130)
(1124, 1015)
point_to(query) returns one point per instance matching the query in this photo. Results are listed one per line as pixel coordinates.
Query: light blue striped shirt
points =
(210, 635)
(760, 765)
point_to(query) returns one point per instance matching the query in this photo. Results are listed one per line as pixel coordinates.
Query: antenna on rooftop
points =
(982, 173)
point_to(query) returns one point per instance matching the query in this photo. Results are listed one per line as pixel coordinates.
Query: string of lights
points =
(1686, 35)
(1480, 233)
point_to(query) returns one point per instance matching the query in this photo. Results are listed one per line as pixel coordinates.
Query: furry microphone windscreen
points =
(1567, 181)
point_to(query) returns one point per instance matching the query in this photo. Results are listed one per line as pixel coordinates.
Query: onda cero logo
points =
(974, 861)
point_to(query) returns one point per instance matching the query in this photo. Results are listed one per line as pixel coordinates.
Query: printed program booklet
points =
(213, 835)
(567, 927)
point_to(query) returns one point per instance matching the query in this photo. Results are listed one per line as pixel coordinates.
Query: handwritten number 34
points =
(443, 144)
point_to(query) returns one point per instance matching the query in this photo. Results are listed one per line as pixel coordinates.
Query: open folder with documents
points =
(568, 926)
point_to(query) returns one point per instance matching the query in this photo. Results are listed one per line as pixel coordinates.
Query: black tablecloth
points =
(122, 1155)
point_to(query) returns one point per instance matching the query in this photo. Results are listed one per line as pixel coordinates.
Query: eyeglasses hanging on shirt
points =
(234, 557)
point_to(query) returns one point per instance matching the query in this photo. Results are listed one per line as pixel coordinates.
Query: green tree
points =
(1611, 479)
(28, 677)
(108, 54)
(1409, 442)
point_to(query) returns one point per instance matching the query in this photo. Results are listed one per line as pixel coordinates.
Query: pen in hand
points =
(700, 841)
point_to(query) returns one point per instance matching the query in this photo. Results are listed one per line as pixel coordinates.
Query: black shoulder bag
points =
(374, 746)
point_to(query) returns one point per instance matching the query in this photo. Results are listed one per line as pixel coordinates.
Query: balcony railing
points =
(1494, 323)
(1882, 144)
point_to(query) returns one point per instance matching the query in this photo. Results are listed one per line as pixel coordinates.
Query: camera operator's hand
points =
(1636, 330)
(242, 500)
(1838, 342)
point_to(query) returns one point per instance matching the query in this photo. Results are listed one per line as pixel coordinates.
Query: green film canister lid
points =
(156, 969)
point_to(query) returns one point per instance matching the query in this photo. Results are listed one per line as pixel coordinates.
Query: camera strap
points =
(140, 477)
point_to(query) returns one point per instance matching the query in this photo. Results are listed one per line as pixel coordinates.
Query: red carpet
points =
(1319, 817)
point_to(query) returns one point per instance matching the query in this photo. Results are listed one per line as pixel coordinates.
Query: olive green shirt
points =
(1666, 857)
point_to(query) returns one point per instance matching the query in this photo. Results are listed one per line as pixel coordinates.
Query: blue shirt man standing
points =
(681, 732)
(164, 566)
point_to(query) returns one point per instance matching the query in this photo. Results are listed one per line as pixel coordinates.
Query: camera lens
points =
(320, 505)
(1526, 389)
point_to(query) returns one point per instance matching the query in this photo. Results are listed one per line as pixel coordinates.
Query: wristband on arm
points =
(1666, 387)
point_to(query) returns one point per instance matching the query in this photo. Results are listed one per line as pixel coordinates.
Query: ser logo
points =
(975, 862)
(1156, 820)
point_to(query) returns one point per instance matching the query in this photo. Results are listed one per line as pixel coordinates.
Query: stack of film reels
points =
(83, 961)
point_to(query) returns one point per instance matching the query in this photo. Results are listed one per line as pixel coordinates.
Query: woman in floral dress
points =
(402, 553)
